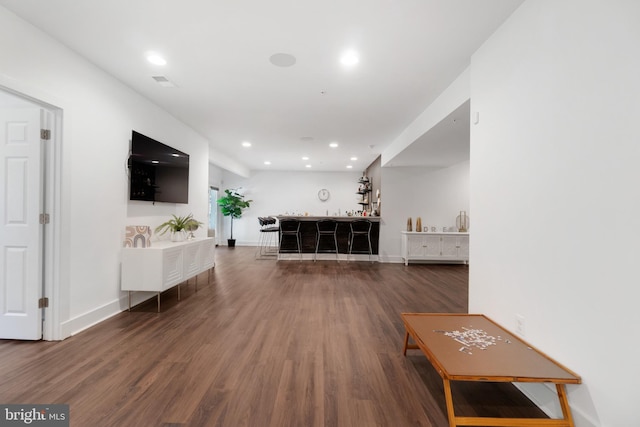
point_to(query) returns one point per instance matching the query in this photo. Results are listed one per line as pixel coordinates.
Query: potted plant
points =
(178, 226)
(232, 204)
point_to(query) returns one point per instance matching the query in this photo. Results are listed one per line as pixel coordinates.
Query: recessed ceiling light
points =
(353, 159)
(305, 158)
(349, 166)
(307, 166)
(175, 154)
(155, 161)
(267, 162)
(282, 59)
(246, 144)
(333, 145)
(156, 59)
(349, 58)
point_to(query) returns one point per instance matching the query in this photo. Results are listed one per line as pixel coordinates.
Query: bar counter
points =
(308, 232)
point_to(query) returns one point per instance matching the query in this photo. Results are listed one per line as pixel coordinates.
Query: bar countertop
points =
(337, 218)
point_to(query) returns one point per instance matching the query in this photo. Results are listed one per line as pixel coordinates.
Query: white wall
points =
(437, 196)
(276, 193)
(555, 172)
(98, 116)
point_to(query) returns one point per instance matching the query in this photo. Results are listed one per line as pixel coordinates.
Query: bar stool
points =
(268, 242)
(360, 228)
(290, 228)
(327, 228)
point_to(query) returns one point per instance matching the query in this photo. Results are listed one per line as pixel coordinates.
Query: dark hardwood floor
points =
(264, 343)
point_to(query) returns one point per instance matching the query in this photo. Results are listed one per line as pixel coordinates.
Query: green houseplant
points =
(178, 226)
(232, 204)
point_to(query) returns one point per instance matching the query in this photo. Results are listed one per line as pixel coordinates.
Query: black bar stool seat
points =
(268, 242)
(290, 230)
(360, 228)
(326, 228)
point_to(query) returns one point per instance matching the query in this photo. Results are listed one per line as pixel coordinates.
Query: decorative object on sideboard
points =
(232, 204)
(418, 224)
(178, 226)
(409, 227)
(462, 222)
(137, 236)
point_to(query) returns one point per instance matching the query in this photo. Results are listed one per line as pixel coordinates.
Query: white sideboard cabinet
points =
(165, 264)
(418, 246)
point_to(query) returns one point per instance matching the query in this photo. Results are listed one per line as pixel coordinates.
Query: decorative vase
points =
(462, 222)
(418, 224)
(409, 227)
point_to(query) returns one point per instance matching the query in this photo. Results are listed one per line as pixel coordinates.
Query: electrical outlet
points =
(520, 324)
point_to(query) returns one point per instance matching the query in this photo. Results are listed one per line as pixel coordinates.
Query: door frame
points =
(52, 119)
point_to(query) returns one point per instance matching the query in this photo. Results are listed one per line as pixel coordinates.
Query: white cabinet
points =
(417, 246)
(165, 264)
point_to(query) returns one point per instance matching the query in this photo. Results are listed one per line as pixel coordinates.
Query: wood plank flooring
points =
(264, 343)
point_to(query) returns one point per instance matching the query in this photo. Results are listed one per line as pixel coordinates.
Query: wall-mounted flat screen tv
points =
(158, 173)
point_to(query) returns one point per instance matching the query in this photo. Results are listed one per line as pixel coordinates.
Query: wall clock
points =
(323, 195)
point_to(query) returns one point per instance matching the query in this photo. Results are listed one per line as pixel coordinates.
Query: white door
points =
(20, 229)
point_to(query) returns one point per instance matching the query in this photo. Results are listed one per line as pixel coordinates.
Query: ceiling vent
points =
(163, 81)
(282, 59)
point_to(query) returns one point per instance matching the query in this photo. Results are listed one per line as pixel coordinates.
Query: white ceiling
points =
(218, 57)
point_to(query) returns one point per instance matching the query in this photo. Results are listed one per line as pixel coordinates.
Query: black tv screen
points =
(158, 173)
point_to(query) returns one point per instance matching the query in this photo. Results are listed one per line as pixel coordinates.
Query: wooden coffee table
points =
(471, 347)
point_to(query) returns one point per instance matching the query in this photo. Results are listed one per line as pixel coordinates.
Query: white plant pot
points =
(178, 236)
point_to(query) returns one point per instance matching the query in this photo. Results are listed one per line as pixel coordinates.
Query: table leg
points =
(449, 401)
(564, 404)
(158, 302)
(129, 300)
(408, 346)
(178, 291)
(406, 342)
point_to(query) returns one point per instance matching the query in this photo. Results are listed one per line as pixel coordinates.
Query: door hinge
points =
(44, 218)
(43, 302)
(45, 134)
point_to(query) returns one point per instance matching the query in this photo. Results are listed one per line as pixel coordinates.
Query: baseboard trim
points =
(90, 318)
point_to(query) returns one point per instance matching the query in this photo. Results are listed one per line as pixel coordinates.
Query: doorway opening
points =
(213, 214)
